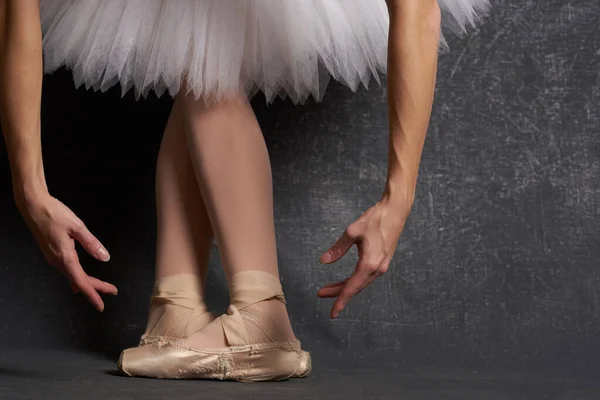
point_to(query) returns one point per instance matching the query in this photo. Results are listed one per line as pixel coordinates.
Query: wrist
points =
(399, 192)
(29, 193)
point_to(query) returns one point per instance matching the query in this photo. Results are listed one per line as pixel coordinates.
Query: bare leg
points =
(184, 232)
(233, 169)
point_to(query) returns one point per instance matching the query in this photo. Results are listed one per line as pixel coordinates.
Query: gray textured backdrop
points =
(498, 263)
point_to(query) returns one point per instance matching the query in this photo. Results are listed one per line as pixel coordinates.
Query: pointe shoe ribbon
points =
(248, 288)
(233, 327)
(184, 310)
(182, 298)
(181, 290)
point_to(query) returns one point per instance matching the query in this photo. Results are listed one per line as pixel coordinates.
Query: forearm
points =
(412, 67)
(20, 94)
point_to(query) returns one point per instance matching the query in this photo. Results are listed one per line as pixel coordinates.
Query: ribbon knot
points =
(233, 327)
(231, 309)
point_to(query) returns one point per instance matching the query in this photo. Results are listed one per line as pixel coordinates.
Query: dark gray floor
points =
(68, 375)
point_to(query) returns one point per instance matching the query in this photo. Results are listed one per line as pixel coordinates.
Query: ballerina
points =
(213, 177)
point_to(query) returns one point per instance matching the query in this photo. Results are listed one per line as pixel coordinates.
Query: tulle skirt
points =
(214, 48)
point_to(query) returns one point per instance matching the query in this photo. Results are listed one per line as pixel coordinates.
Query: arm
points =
(20, 96)
(53, 225)
(412, 65)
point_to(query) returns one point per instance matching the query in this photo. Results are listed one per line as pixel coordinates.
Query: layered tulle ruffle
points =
(216, 47)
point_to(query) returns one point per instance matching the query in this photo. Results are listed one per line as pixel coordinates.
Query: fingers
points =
(332, 289)
(336, 283)
(340, 247)
(67, 262)
(353, 286)
(97, 285)
(364, 274)
(330, 292)
(58, 262)
(90, 293)
(89, 242)
(102, 287)
(80, 280)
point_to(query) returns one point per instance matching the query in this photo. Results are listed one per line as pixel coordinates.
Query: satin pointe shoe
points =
(253, 353)
(181, 311)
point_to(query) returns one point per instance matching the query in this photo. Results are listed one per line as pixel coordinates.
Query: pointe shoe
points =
(242, 360)
(183, 312)
(250, 363)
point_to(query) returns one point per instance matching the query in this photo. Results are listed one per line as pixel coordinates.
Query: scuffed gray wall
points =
(498, 262)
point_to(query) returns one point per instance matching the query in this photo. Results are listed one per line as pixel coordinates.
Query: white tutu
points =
(217, 47)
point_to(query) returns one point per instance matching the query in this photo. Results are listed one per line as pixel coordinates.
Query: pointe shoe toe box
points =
(155, 361)
(304, 365)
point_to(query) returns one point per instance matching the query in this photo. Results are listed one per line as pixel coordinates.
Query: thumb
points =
(90, 243)
(339, 248)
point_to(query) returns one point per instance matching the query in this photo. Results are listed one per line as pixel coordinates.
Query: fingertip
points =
(336, 309)
(112, 287)
(103, 254)
(336, 313)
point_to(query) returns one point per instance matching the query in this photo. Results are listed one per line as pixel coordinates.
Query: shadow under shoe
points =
(252, 355)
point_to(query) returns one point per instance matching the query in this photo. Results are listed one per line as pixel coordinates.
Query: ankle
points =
(267, 321)
(177, 307)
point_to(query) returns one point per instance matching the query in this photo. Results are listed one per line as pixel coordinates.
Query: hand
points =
(56, 228)
(376, 233)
